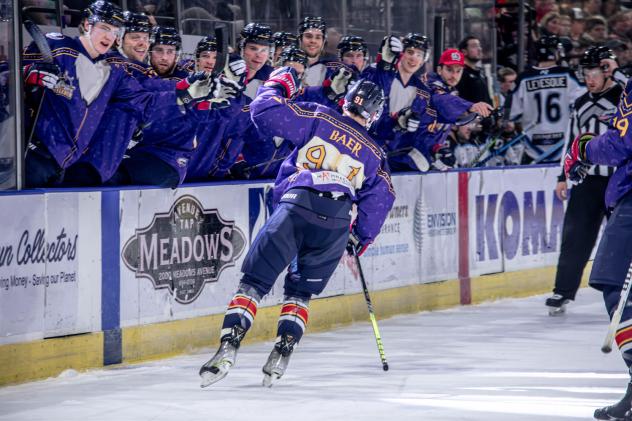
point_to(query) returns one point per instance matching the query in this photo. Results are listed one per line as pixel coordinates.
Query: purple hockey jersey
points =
(71, 112)
(614, 148)
(332, 153)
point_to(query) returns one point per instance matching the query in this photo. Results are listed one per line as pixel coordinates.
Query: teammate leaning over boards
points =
(312, 35)
(107, 148)
(74, 92)
(427, 144)
(405, 94)
(335, 164)
(168, 140)
(254, 46)
(542, 101)
(354, 52)
(586, 208)
(283, 40)
(613, 148)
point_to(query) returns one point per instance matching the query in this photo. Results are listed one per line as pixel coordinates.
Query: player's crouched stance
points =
(334, 165)
(614, 148)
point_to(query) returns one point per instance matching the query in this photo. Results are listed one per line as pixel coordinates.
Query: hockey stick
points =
(47, 57)
(616, 317)
(367, 298)
(222, 53)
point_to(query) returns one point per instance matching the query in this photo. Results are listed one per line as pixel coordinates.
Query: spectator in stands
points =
(591, 7)
(565, 25)
(596, 30)
(542, 7)
(577, 24)
(507, 80)
(619, 25)
(473, 84)
(609, 7)
(550, 24)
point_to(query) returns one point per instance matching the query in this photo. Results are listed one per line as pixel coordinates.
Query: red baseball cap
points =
(452, 56)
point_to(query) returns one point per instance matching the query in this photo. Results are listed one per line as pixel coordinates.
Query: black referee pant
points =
(584, 213)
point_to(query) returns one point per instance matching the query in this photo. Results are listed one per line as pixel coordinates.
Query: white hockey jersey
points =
(542, 103)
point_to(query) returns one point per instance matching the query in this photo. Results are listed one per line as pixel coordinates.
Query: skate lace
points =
(286, 345)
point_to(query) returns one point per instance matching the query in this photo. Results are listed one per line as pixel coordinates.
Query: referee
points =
(586, 207)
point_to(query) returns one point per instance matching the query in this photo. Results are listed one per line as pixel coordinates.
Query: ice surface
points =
(506, 360)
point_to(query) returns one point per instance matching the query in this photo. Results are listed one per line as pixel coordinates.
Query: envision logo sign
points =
(184, 248)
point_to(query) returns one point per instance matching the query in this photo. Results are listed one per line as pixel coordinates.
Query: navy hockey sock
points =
(293, 319)
(241, 311)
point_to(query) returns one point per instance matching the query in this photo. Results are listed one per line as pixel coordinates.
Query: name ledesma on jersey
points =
(547, 83)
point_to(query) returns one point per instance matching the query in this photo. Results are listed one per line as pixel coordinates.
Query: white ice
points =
(506, 360)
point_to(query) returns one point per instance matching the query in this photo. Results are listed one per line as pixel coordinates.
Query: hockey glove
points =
(196, 86)
(236, 70)
(576, 163)
(45, 75)
(286, 80)
(443, 157)
(355, 247)
(389, 53)
(222, 91)
(336, 86)
(407, 120)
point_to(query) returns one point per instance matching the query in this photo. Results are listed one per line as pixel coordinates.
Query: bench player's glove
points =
(286, 80)
(355, 247)
(407, 120)
(389, 53)
(45, 75)
(236, 70)
(194, 87)
(336, 86)
(222, 91)
(576, 163)
(443, 157)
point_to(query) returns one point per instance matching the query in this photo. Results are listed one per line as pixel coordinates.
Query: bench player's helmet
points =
(292, 53)
(352, 43)
(208, 43)
(104, 11)
(419, 41)
(284, 39)
(312, 22)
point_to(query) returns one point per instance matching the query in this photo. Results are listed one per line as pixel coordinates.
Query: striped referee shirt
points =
(592, 114)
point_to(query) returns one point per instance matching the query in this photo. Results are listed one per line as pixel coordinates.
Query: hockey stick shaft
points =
(616, 317)
(376, 330)
(47, 57)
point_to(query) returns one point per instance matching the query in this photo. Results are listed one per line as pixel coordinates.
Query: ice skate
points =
(278, 360)
(557, 304)
(217, 367)
(619, 411)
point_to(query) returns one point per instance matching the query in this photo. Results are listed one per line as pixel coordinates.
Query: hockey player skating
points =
(614, 148)
(334, 165)
(586, 208)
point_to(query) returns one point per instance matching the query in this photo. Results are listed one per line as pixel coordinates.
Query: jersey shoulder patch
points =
(55, 35)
